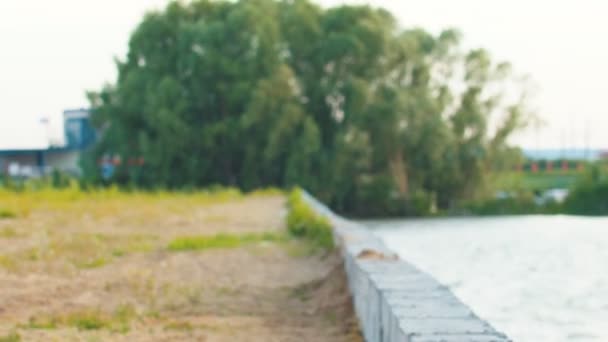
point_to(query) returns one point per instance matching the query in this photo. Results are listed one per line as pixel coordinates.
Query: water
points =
(536, 278)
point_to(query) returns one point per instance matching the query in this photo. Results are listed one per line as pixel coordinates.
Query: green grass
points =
(7, 214)
(179, 326)
(8, 233)
(83, 250)
(42, 323)
(222, 241)
(92, 263)
(92, 320)
(303, 222)
(105, 202)
(82, 320)
(7, 262)
(12, 337)
(118, 321)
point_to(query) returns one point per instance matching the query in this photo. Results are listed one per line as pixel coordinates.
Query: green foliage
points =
(60, 180)
(589, 196)
(304, 222)
(371, 118)
(588, 199)
(518, 205)
(219, 241)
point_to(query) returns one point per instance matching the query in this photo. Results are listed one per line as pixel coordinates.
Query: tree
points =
(252, 93)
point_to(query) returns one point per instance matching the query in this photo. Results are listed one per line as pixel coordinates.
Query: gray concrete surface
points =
(395, 301)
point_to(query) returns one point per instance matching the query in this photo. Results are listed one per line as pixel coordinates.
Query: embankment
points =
(396, 302)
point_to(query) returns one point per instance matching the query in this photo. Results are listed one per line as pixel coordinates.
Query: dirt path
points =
(68, 275)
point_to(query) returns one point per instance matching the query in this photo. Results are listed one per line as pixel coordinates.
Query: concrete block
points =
(393, 300)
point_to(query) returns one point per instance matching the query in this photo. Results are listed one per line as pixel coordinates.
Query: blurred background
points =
(54, 51)
(442, 111)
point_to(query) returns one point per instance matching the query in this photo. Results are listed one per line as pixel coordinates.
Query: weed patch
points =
(84, 251)
(8, 233)
(88, 320)
(42, 323)
(7, 214)
(12, 337)
(7, 262)
(303, 222)
(179, 326)
(118, 321)
(92, 263)
(222, 241)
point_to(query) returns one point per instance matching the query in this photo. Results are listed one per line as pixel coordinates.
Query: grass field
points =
(206, 266)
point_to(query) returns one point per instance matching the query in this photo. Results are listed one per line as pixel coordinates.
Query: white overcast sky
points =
(51, 52)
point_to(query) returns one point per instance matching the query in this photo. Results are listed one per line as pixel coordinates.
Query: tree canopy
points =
(372, 118)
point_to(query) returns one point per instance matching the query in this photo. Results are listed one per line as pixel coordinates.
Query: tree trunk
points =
(398, 169)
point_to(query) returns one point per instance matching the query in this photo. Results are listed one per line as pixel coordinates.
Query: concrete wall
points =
(395, 301)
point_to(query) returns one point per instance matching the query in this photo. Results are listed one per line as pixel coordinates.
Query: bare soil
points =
(68, 275)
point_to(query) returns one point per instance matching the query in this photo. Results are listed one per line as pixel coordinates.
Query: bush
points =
(60, 180)
(589, 196)
(504, 206)
(303, 222)
(588, 199)
(523, 203)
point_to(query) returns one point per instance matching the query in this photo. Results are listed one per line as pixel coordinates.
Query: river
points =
(535, 278)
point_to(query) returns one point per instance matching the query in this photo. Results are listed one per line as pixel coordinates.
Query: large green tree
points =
(370, 117)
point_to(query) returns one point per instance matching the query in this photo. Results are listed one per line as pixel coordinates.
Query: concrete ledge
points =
(395, 301)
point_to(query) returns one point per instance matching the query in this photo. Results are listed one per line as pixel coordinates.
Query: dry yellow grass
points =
(96, 266)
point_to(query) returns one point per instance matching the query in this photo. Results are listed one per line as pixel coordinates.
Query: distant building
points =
(35, 162)
(561, 154)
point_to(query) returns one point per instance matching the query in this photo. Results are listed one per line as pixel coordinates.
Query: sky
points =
(52, 52)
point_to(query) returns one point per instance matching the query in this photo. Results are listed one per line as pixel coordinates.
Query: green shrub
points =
(304, 222)
(60, 180)
(518, 205)
(588, 199)
(420, 204)
(376, 197)
(523, 203)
